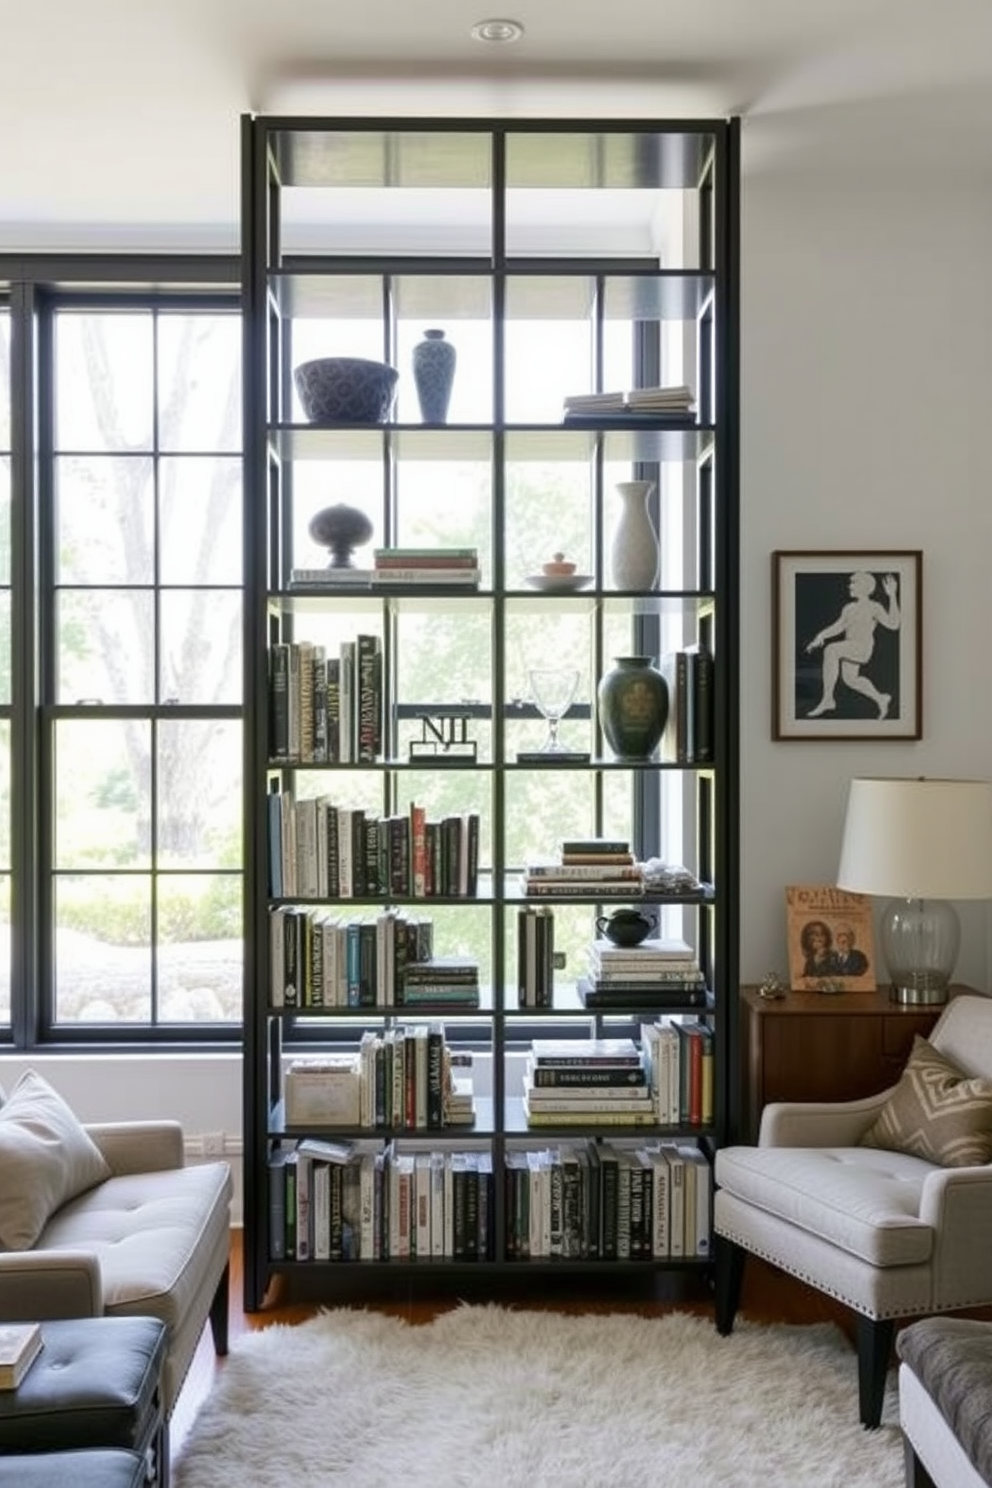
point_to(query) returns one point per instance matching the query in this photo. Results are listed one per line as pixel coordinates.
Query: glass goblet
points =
(553, 690)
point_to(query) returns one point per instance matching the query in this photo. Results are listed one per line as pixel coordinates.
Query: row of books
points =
(603, 1201)
(397, 567)
(535, 956)
(380, 1206)
(589, 1082)
(325, 709)
(688, 735)
(571, 1201)
(320, 850)
(399, 1080)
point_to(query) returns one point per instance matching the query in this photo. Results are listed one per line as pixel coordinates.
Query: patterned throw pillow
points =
(936, 1112)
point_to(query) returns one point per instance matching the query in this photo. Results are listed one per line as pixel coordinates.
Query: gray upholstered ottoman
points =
(95, 1384)
(92, 1469)
(945, 1402)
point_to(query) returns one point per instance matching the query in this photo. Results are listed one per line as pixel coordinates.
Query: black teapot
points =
(625, 927)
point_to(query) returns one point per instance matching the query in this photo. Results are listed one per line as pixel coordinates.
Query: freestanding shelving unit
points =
(560, 257)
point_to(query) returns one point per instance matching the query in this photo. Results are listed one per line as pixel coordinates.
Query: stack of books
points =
(657, 973)
(587, 1082)
(456, 568)
(592, 867)
(587, 404)
(459, 1101)
(676, 401)
(535, 956)
(451, 980)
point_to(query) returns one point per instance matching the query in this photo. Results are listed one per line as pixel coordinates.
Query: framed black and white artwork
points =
(847, 645)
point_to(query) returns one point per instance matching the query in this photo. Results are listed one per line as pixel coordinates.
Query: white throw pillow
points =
(46, 1159)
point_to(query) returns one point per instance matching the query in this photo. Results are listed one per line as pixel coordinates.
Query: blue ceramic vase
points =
(433, 374)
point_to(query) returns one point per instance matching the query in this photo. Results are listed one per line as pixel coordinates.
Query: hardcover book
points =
(20, 1345)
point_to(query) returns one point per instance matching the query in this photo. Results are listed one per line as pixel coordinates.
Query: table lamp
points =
(918, 842)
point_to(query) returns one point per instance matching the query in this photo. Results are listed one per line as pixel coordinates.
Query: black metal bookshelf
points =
(613, 246)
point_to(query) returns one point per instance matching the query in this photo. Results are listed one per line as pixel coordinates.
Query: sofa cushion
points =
(867, 1204)
(46, 1158)
(149, 1232)
(936, 1112)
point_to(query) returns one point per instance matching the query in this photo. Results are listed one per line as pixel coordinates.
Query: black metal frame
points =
(269, 154)
(39, 286)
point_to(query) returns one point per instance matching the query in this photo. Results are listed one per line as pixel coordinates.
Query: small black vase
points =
(433, 374)
(633, 707)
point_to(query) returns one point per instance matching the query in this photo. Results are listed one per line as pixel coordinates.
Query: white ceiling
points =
(119, 118)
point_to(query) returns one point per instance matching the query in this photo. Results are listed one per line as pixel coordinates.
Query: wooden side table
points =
(823, 1046)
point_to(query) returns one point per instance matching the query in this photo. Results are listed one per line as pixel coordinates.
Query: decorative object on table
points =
(346, 390)
(830, 939)
(553, 692)
(444, 735)
(433, 375)
(558, 567)
(847, 645)
(634, 550)
(625, 927)
(341, 529)
(919, 843)
(558, 574)
(633, 707)
(772, 988)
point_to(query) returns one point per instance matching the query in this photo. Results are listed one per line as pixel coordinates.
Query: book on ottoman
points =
(20, 1345)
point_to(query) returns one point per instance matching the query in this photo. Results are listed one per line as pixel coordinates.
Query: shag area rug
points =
(489, 1397)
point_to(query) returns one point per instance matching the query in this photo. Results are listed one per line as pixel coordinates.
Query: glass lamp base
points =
(920, 942)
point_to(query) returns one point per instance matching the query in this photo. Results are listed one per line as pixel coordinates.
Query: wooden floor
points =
(768, 1297)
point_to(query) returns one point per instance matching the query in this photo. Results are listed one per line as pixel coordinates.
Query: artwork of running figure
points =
(847, 634)
(848, 643)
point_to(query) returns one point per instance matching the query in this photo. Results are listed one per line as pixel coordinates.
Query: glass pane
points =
(5, 685)
(201, 646)
(106, 646)
(201, 949)
(199, 794)
(104, 524)
(199, 382)
(103, 793)
(4, 519)
(4, 950)
(103, 948)
(4, 795)
(200, 507)
(4, 379)
(103, 381)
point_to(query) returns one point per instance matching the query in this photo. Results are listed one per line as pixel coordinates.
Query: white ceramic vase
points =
(634, 551)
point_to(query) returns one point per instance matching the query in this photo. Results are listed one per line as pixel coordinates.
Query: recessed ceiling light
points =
(497, 30)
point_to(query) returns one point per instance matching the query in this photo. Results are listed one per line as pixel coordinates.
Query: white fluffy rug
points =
(486, 1397)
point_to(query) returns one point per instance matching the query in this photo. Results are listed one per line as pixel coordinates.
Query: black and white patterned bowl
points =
(346, 390)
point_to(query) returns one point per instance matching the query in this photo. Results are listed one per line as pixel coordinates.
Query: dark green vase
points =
(633, 707)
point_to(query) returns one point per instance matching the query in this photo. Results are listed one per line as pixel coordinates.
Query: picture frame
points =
(831, 939)
(847, 629)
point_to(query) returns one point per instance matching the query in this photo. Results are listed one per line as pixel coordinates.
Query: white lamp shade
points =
(918, 839)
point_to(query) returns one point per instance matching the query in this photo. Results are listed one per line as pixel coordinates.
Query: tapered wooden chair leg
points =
(729, 1275)
(874, 1352)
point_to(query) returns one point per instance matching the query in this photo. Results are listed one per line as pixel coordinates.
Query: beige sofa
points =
(151, 1239)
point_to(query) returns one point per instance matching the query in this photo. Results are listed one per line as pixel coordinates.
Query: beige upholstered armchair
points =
(896, 1229)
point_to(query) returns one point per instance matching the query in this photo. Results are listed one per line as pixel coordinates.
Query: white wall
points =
(866, 401)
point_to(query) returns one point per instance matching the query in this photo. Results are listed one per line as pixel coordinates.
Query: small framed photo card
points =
(847, 645)
(830, 938)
